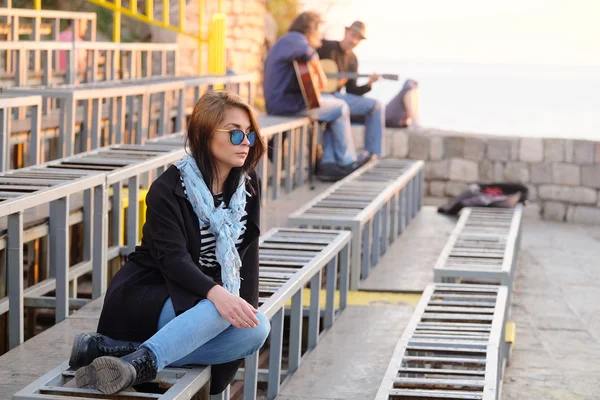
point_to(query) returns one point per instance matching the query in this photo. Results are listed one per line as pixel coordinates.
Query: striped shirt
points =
(208, 245)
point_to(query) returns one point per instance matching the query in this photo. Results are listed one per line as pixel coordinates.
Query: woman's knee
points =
(207, 311)
(261, 331)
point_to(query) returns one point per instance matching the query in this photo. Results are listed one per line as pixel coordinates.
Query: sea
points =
(516, 100)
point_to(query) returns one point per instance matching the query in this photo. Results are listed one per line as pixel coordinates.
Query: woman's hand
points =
(234, 309)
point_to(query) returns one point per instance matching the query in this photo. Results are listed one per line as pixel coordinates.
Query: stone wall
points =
(563, 175)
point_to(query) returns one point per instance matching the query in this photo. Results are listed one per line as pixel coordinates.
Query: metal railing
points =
(216, 29)
(375, 202)
(59, 186)
(482, 248)
(120, 61)
(9, 103)
(244, 85)
(17, 22)
(126, 105)
(289, 260)
(118, 116)
(453, 346)
(126, 168)
(22, 192)
(55, 384)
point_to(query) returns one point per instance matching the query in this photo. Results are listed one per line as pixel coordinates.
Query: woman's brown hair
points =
(306, 23)
(207, 116)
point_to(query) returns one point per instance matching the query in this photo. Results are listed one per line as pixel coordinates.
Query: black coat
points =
(166, 264)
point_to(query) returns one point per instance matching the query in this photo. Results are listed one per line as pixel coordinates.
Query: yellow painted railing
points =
(216, 28)
(125, 204)
(142, 211)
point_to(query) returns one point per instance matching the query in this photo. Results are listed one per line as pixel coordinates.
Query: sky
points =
(547, 32)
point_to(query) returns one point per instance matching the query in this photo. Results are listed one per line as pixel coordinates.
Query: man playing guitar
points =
(284, 96)
(399, 112)
(371, 109)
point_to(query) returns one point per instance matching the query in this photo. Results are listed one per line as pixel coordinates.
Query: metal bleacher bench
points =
(7, 104)
(47, 199)
(290, 259)
(452, 348)
(376, 202)
(128, 97)
(482, 248)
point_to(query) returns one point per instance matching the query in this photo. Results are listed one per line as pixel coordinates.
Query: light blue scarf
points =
(225, 223)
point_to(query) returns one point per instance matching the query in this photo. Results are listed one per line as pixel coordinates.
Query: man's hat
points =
(359, 27)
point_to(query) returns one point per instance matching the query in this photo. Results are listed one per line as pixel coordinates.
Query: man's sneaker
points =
(363, 158)
(331, 172)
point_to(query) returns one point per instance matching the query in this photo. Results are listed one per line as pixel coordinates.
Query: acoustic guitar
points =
(309, 83)
(334, 75)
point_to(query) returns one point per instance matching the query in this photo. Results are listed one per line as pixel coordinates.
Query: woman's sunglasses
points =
(237, 136)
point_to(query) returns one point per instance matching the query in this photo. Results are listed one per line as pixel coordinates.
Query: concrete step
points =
(42, 353)
(408, 264)
(351, 359)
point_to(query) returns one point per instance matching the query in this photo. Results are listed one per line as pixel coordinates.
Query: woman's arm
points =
(169, 245)
(165, 221)
(239, 311)
(249, 275)
(250, 263)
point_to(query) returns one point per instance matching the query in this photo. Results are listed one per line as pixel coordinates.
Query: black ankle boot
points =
(89, 346)
(110, 375)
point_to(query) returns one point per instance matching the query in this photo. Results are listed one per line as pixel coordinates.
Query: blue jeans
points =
(338, 144)
(374, 113)
(201, 336)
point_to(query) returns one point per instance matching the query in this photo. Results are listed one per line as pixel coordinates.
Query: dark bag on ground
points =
(501, 195)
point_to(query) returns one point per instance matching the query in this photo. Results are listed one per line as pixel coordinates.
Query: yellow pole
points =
(166, 12)
(222, 45)
(182, 15)
(150, 9)
(37, 4)
(210, 47)
(134, 6)
(216, 45)
(117, 22)
(200, 33)
(117, 36)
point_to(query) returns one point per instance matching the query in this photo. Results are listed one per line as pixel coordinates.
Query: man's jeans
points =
(338, 144)
(374, 113)
(201, 336)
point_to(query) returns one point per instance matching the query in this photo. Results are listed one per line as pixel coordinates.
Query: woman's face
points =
(226, 154)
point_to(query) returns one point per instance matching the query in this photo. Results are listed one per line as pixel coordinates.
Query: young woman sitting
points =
(189, 293)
